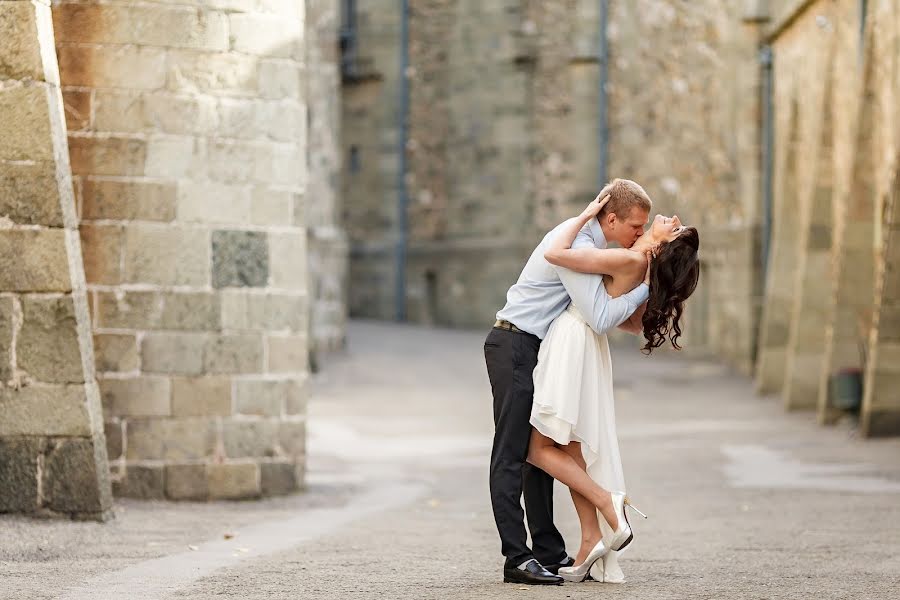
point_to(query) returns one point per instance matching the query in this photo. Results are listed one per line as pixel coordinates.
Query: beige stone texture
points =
(136, 397)
(171, 440)
(115, 352)
(235, 481)
(199, 396)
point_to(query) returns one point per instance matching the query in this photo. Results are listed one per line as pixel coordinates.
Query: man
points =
(542, 292)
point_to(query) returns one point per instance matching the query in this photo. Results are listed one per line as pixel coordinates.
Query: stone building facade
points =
(184, 160)
(52, 452)
(766, 124)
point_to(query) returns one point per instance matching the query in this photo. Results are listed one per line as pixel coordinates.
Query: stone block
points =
(167, 255)
(20, 50)
(240, 259)
(292, 437)
(171, 439)
(75, 477)
(287, 354)
(30, 194)
(234, 162)
(227, 353)
(233, 481)
(297, 398)
(135, 67)
(280, 79)
(47, 347)
(25, 126)
(128, 200)
(225, 74)
(241, 118)
(278, 478)
(112, 431)
(256, 438)
(169, 157)
(44, 410)
(177, 353)
(77, 106)
(173, 26)
(267, 311)
(34, 261)
(282, 164)
(8, 310)
(201, 396)
(269, 398)
(101, 248)
(19, 464)
(186, 482)
(287, 253)
(264, 35)
(211, 202)
(271, 206)
(113, 155)
(136, 397)
(115, 352)
(158, 310)
(147, 482)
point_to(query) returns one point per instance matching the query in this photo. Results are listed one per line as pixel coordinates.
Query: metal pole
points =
(768, 126)
(602, 108)
(402, 198)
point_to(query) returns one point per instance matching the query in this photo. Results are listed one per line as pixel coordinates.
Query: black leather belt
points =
(500, 324)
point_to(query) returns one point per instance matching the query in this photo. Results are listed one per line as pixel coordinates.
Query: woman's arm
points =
(592, 260)
(585, 260)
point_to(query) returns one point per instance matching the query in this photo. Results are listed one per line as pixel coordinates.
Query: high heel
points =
(580, 573)
(623, 535)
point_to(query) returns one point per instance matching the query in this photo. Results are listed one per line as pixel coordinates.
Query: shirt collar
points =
(597, 234)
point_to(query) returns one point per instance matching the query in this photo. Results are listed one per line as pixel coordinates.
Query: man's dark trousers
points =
(511, 357)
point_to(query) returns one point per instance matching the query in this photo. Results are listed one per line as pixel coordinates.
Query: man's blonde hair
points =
(625, 195)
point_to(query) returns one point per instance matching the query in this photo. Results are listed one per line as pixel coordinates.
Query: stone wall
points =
(837, 73)
(52, 452)
(187, 132)
(369, 142)
(503, 143)
(326, 240)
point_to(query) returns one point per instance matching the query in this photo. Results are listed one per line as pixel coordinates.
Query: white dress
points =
(573, 401)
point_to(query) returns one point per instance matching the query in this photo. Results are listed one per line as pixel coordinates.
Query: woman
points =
(573, 416)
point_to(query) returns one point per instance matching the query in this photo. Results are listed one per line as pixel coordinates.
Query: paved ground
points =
(744, 500)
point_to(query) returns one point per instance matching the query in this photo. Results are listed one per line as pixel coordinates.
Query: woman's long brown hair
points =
(674, 273)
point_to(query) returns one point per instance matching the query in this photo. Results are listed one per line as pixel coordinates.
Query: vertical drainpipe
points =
(765, 59)
(402, 198)
(602, 106)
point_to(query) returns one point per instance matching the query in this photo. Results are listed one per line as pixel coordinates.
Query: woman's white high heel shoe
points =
(580, 573)
(623, 535)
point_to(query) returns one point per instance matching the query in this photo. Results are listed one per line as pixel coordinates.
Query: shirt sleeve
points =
(589, 296)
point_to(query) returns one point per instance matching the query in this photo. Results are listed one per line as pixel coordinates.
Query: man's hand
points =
(649, 255)
(593, 209)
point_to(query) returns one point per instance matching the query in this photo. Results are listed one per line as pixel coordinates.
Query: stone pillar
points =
(187, 133)
(774, 325)
(326, 241)
(812, 283)
(849, 307)
(52, 450)
(881, 404)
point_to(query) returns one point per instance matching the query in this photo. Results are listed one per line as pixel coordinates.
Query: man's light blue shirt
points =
(543, 290)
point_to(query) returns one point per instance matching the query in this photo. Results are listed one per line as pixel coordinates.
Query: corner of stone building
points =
(53, 458)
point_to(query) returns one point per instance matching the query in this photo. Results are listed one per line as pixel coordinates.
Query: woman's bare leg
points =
(587, 512)
(544, 454)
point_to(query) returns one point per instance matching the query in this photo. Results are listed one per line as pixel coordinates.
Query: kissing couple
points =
(551, 377)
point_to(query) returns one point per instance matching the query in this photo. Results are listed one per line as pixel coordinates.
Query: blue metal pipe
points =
(402, 196)
(768, 145)
(602, 105)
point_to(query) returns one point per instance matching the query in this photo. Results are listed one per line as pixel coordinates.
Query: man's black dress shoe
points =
(532, 574)
(569, 562)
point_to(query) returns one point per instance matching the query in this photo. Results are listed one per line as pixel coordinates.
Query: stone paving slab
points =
(744, 500)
